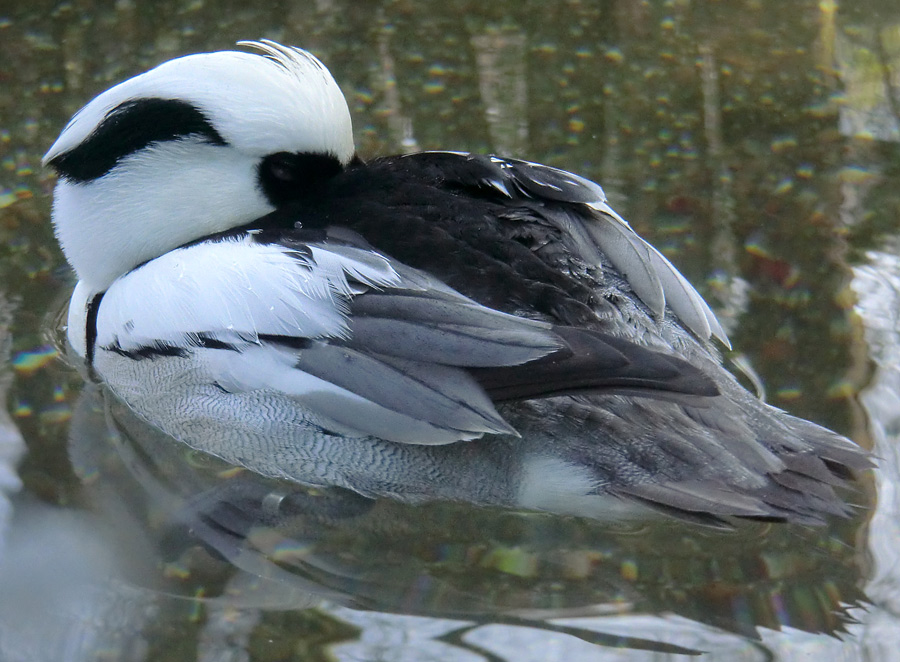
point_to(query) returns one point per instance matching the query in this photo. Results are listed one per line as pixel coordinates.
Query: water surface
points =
(755, 143)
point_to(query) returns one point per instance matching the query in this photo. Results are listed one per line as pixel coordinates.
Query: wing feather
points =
(235, 290)
(452, 331)
(603, 232)
(363, 343)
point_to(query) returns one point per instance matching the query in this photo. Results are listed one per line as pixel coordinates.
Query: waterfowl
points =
(254, 289)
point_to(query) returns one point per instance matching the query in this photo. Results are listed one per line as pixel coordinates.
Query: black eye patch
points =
(130, 127)
(286, 176)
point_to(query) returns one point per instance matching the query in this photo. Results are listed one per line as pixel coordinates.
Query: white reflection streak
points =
(399, 638)
(12, 447)
(877, 287)
(56, 600)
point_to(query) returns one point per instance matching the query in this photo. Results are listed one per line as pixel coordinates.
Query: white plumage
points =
(286, 101)
(236, 290)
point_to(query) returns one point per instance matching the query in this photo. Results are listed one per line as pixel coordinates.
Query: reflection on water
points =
(877, 286)
(724, 131)
(12, 446)
(229, 540)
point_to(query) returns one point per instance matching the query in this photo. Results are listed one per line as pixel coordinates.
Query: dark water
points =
(755, 143)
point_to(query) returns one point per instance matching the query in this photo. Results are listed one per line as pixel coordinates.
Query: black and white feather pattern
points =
(335, 337)
(255, 291)
(367, 345)
(654, 279)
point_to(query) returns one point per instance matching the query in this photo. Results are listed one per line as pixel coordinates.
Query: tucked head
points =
(195, 146)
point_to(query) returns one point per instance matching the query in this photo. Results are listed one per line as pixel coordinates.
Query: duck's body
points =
(327, 307)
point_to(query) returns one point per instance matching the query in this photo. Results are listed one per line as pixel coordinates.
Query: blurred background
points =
(755, 142)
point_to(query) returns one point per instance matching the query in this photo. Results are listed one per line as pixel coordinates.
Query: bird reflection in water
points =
(226, 536)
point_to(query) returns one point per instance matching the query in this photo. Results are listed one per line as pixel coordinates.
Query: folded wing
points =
(590, 228)
(364, 344)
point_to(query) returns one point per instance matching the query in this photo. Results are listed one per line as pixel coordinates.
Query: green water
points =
(753, 142)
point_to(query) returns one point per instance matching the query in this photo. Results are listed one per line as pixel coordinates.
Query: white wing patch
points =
(234, 290)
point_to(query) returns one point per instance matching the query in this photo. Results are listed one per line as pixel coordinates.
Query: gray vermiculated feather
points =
(603, 437)
(829, 445)
(670, 449)
(438, 395)
(792, 505)
(732, 426)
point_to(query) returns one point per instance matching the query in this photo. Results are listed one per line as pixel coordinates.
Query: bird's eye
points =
(282, 166)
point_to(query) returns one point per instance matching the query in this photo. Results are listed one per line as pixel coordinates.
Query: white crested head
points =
(198, 145)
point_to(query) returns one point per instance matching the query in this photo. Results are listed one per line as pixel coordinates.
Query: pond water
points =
(756, 143)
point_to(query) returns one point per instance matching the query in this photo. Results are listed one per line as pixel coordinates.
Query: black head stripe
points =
(130, 127)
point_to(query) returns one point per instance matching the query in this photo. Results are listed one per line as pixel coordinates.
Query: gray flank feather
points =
(438, 395)
(631, 256)
(442, 330)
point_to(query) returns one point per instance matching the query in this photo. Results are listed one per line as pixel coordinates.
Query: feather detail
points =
(236, 290)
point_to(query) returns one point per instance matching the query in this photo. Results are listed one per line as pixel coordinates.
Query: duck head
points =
(198, 145)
